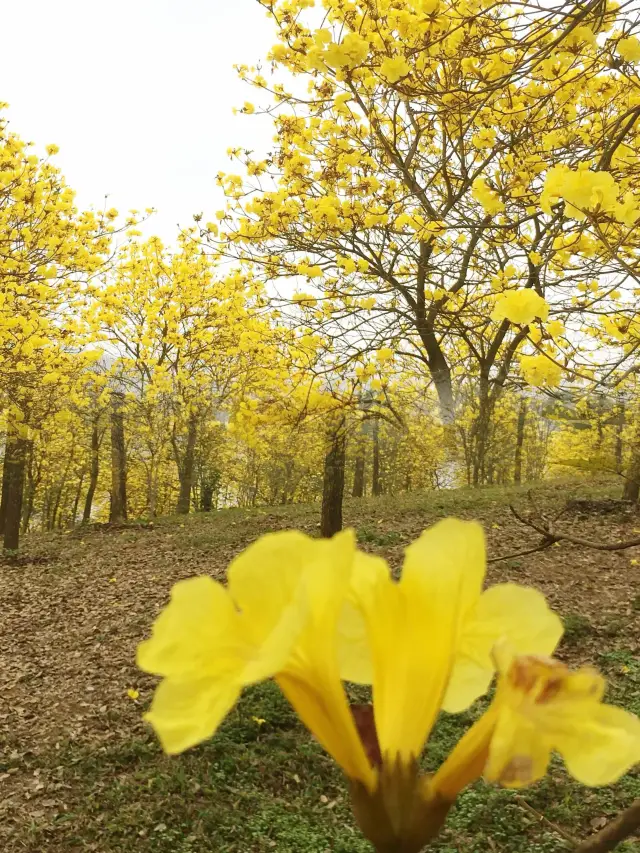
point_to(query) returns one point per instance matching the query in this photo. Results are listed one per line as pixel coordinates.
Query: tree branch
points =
(545, 528)
(614, 832)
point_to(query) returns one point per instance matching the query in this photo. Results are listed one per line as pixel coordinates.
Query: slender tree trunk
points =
(56, 505)
(376, 481)
(118, 510)
(94, 471)
(206, 497)
(333, 482)
(31, 484)
(631, 490)
(5, 484)
(15, 459)
(185, 471)
(522, 419)
(76, 500)
(619, 443)
(358, 474)
(482, 427)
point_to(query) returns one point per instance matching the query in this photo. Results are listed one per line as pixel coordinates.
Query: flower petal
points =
(519, 753)
(509, 612)
(354, 652)
(414, 629)
(186, 712)
(450, 547)
(600, 748)
(311, 679)
(267, 583)
(196, 634)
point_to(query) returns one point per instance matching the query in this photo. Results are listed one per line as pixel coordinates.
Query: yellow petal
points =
(450, 547)
(311, 679)
(354, 652)
(519, 753)
(414, 629)
(467, 760)
(186, 712)
(266, 582)
(265, 577)
(602, 746)
(197, 634)
(509, 612)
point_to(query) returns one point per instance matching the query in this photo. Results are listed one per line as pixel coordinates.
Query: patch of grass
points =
(378, 537)
(263, 786)
(576, 628)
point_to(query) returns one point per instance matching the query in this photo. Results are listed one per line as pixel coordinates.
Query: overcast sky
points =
(138, 94)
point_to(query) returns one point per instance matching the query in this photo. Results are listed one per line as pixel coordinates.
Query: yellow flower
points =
(394, 68)
(582, 189)
(211, 641)
(520, 306)
(629, 49)
(425, 643)
(489, 200)
(538, 370)
(311, 612)
(555, 328)
(132, 693)
(542, 707)
(443, 571)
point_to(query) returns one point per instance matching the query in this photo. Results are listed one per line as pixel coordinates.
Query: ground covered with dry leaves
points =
(79, 771)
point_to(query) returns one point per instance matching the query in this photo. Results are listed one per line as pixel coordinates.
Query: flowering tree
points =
(455, 180)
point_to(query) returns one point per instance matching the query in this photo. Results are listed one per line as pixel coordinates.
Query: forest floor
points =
(80, 771)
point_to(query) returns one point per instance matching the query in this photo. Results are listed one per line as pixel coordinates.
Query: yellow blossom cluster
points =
(314, 613)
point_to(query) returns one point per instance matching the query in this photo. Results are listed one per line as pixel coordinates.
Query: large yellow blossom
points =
(309, 612)
(541, 707)
(538, 370)
(284, 592)
(520, 306)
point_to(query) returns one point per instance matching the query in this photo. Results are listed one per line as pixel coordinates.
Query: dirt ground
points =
(74, 606)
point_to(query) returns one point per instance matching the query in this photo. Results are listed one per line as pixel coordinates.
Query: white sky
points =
(138, 94)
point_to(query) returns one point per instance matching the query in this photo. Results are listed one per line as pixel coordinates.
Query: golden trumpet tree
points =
(185, 345)
(49, 251)
(446, 178)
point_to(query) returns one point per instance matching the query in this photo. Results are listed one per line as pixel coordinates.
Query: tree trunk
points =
(118, 509)
(482, 425)
(358, 474)
(15, 458)
(185, 470)
(522, 419)
(631, 490)
(619, 443)
(93, 473)
(206, 497)
(31, 484)
(76, 500)
(4, 497)
(56, 506)
(376, 482)
(333, 483)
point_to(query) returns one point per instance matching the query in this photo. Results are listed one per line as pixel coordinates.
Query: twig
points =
(546, 529)
(543, 819)
(546, 543)
(614, 832)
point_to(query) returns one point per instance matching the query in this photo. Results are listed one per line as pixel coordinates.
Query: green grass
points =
(262, 786)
